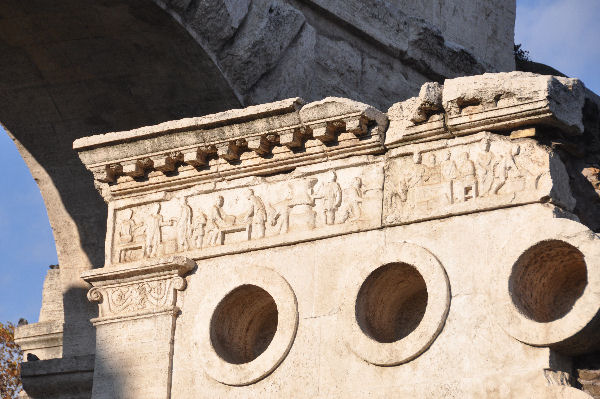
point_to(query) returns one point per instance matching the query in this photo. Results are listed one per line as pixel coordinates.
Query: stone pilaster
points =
(135, 327)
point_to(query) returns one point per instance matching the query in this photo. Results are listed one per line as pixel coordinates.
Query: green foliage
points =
(10, 362)
(520, 54)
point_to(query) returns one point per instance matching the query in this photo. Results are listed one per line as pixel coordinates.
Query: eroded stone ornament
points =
(311, 250)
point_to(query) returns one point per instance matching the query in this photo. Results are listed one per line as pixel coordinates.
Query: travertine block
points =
(496, 101)
(332, 265)
(499, 102)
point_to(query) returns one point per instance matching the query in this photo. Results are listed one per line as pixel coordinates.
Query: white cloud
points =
(564, 34)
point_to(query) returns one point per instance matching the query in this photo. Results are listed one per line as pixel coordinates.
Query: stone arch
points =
(73, 68)
(80, 67)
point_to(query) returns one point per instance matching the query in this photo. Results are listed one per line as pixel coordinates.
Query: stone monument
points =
(325, 249)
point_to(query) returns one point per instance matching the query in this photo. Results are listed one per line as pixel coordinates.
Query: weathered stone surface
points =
(465, 23)
(328, 247)
(67, 377)
(449, 177)
(268, 32)
(470, 100)
(141, 300)
(215, 21)
(89, 67)
(495, 102)
(44, 339)
(331, 264)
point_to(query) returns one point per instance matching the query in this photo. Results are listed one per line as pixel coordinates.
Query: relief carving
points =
(352, 202)
(461, 178)
(331, 193)
(303, 204)
(153, 229)
(140, 296)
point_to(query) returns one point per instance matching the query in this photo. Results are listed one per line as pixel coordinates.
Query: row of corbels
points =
(325, 131)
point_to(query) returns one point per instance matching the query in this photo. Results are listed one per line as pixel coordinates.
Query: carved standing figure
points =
(331, 193)
(353, 198)
(199, 229)
(466, 173)
(417, 173)
(485, 168)
(529, 165)
(184, 225)
(279, 213)
(432, 173)
(154, 222)
(449, 174)
(256, 215)
(502, 170)
(127, 227)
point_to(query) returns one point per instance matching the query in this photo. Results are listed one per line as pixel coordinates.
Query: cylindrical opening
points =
(547, 280)
(243, 324)
(391, 302)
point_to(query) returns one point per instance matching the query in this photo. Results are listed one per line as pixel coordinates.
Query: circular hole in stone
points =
(243, 324)
(391, 302)
(547, 280)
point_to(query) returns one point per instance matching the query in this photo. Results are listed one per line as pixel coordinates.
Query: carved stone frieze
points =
(470, 174)
(289, 172)
(202, 221)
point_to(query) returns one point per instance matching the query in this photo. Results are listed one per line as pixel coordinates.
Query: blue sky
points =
(562, 33)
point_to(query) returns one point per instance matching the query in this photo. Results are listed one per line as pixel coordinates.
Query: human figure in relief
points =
(466, 174)
(199, 229)
(417, 173)
(279, 213)
(503, 168)
(127, 227)
(331, 193)
(431, 169)
(153, 224)
(485, 168)
(217, 221)
(183, 225)
(353, 198)
(256, 215)
(529, 165)
(449, 174)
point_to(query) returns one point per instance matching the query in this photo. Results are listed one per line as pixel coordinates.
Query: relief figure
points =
(279, 213)
(331, 193)
(485, 168)
(301, 213)
(183, 225)
(503, 168)
(218, 221)
(153, 224)
(128, 227)
(449, 174)
(466, 174)
(199, 230)
(529, 166)
(352, 206)
(256, 215)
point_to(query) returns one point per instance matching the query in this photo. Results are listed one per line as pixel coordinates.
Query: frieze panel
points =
(470, 174)
(323, 203)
